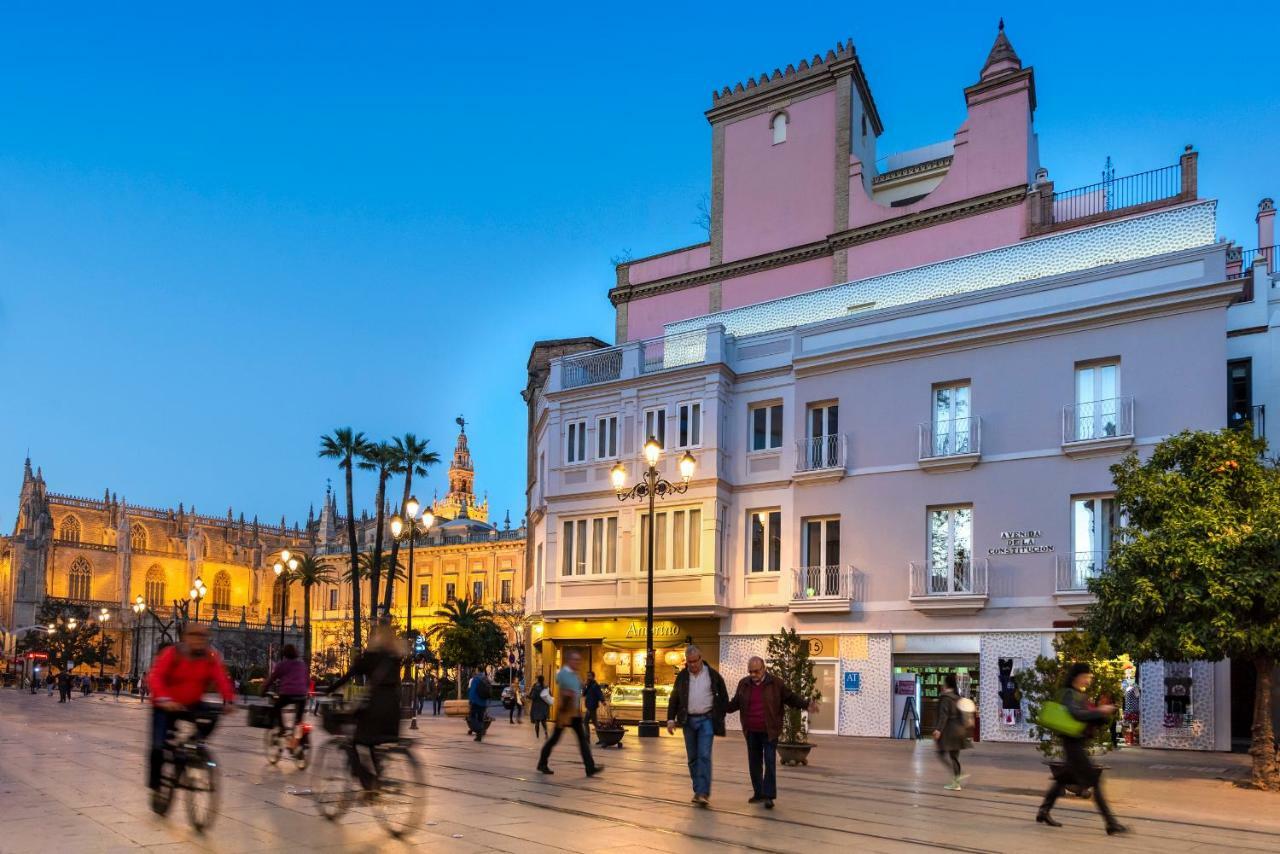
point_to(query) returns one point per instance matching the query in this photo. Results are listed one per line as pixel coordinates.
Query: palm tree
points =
(345, 446)
(468, 629)
(410, 457)
(377, 457)
(365, 562)
(309, 573)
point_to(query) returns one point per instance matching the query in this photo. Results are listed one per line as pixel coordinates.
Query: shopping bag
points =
(1055, 717)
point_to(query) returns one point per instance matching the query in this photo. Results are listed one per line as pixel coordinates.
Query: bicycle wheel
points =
(162, 797)
(332, 786)
(271, 744)
(200, 779)
(302, 756)
(401, 800)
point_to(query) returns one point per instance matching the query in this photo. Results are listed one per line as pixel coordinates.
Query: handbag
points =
(1056, 717)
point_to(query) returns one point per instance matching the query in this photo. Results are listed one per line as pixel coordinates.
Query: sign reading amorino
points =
(1021, 543)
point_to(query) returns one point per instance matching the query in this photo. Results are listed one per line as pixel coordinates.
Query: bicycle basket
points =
(335, 718)
(260, 717)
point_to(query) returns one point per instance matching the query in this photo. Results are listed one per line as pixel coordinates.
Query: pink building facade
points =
(903, 379)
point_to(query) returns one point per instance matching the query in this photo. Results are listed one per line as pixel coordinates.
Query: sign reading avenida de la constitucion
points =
(1021, 543)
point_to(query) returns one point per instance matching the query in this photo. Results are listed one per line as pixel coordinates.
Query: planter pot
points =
(610, 736)
(794, 754)
(456, 708)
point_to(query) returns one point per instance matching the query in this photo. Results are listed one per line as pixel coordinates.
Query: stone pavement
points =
(71, 780)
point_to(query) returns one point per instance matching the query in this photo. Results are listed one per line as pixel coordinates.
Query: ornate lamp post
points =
(139, 607)
(406, 527)
(651, 486)
(198, 592)
(287, 560)
(103, 616)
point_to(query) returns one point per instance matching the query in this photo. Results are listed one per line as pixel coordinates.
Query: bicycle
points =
(276, 743)
(399, 798)
(188, 764)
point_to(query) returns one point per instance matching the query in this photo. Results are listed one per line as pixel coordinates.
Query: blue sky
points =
(226, 231)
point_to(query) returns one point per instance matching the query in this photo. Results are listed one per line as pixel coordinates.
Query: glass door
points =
(828, 713)
(951, 433)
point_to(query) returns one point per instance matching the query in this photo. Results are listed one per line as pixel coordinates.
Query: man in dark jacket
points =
(698, 703)
(592, 697)
(761, 698)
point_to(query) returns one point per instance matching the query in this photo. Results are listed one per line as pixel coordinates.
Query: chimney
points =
(1266, 220)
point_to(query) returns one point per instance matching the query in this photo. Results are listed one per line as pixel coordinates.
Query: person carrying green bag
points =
(1071, 717)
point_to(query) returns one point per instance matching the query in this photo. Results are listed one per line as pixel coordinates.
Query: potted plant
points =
(1044, 682)
(609, 731)
(789, 661)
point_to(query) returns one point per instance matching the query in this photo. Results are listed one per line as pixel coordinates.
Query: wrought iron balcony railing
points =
(1097, 419)
(1075, 570)
(819, 453)
(964, 577)
(949, 438)
(812, 583)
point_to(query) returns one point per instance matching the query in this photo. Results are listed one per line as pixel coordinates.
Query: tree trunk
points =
(355, 563)
(375, 572)
(306, 626)
(1266, 762)
(389, 595)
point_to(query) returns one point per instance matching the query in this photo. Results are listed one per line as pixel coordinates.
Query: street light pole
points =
(651, 486)
(198, 591)
(139, 608)
(408, 526)
(286, 560)
(103, 616)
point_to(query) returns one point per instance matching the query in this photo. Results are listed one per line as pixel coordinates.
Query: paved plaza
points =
(71, 780)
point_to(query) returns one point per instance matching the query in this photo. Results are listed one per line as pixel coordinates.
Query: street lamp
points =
(139, 607)
(286, 561)
(406, 527)
(651, 486)
(198, 592)
(103, 616)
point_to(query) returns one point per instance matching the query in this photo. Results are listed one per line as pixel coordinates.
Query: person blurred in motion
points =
(698, 705)
(478, 691)
(180, 677)
(378, 717)
(950, 734)
(539, 706)
(1078, 770)
(762, 699)
(290, 673)
(592, 697)
(568, 709)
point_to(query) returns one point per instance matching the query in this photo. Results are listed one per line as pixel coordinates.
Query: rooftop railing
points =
(592, 367)
(1112, 197)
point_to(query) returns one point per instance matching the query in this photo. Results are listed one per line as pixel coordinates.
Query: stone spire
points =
(460, 501)
(1002, 59)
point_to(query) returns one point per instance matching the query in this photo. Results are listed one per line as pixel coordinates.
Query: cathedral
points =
(105, 553)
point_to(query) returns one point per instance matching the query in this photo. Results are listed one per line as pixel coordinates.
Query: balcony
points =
(1112, 197)
(959, 587)
(1097, 427)
(822, 589)
(951, 445)
(591, 368)
(1255, 416)
(1071, 588)
(638, 358)
(821, 457)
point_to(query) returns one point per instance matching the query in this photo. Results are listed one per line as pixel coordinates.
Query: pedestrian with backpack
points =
(953, 729)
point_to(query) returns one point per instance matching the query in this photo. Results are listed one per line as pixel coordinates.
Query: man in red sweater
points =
(762, 700)
(180, 677)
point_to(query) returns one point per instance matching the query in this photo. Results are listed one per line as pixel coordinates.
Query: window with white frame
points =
(766, 427)
(1093, 519)
(575, 449)
(589, 546)
(822, 445)
(779, 126)
(821, 544)
(677, 539)
(607, 437)
(689, 424)
(1097, 400)
(951, 420)
(764, 545)
(655, 426)
(951, 549)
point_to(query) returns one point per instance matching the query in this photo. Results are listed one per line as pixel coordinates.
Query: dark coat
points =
(678, 706)
(538, 709)
(950, 723)
(378, 720)
(592, 695)
(776, 696)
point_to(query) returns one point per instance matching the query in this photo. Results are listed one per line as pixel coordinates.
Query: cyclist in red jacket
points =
(180, 677)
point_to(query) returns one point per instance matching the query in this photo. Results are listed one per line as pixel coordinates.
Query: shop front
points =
(615, 650)
(920, 664)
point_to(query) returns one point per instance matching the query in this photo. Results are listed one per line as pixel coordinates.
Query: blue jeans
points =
(762, 763)
(699, 733)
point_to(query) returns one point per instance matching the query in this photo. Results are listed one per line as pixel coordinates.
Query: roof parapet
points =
(806, 68)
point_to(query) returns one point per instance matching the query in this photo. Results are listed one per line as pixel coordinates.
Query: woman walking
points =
(539, 706)
(951, 731)
(1079, 770)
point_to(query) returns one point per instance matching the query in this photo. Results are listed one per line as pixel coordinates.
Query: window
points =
(69, 530)
(677, 540)
(576, 445)
(607, 437)
(765, 545)
(137, 537)
(1097, 390)
(590, 546)
(222, 591)
(689, 419)
(951, 550)
(779, 128)
(424, 595)
(766, 427)
(506, 591)
(155, 587)
(450, 592)
(655, 425)
(333, 599)
(951, 433)
(823, 446)
(1239, 398)
(538, 565)
(477, 592)
(81, 580)
(1093, 520)
(821, 543)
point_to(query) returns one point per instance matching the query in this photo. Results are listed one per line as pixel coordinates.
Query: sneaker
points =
(703, 800)
(768, 803)
(954, 786)
(755, 799)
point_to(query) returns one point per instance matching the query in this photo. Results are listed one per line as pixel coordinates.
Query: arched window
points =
(137, 537)
(155, 587)
(279, 602)
(69, 530)
(779, 128)
(81, 584)
(222, 591)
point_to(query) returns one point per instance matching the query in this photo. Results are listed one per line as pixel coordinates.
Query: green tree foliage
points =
(1195, 574)
(410, 456)
(80, 645)
(789, 661)
(1046, 680)
(468, 638)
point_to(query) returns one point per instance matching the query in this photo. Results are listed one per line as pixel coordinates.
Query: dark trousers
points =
(283, 701)
(436, 702)
(162, 723)
(1080, 772)
(539, 724)
(475, 719)
(762, 757)
(951, 759)
(584, 746)
(592, 712)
